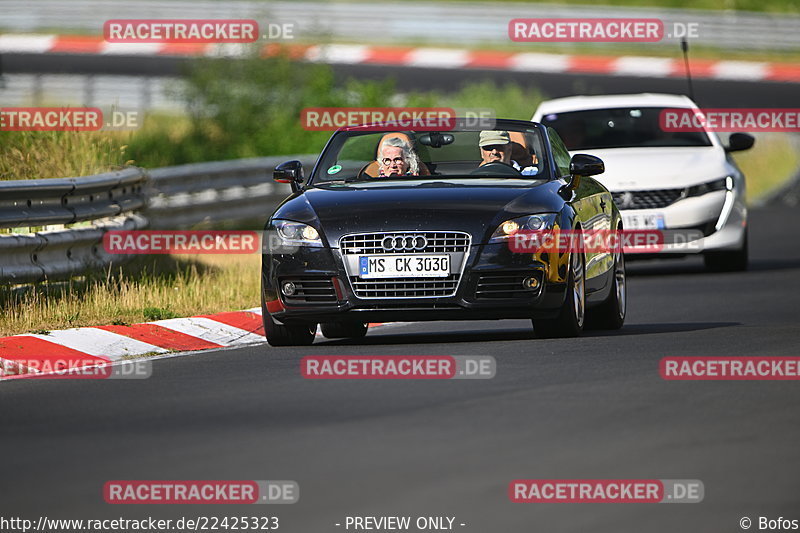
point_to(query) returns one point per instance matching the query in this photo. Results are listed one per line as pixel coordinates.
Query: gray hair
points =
(409, 155)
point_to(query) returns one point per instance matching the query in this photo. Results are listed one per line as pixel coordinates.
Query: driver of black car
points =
(496, 148)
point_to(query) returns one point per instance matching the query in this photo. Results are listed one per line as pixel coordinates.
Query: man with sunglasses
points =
(496, 148)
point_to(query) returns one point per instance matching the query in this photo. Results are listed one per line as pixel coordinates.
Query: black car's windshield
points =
(624, 127)
(515, 153)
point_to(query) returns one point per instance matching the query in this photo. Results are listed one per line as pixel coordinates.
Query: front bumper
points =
(488, 286)
(718, 218)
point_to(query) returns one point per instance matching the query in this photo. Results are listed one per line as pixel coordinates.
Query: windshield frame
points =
(340, 136)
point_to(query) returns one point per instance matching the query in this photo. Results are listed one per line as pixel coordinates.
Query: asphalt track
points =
(587, 408)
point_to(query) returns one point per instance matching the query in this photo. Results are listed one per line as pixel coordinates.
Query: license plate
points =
(643, 221)
(404, 266)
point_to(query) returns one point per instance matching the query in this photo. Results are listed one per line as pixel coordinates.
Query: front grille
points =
(504, 285)
(404, 287)
(311, 290)
(646, 199)
(438, 242)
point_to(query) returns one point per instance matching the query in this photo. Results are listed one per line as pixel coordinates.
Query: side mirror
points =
(740, 141)
(586, 165)
(289, 172)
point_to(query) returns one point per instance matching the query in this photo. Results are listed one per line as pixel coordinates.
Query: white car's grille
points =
(654, 199)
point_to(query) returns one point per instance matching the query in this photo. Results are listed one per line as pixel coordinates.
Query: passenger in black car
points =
(396, 157)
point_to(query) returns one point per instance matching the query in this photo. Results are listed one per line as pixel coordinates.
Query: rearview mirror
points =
(289, 172)
(740, 141)
(586, 165)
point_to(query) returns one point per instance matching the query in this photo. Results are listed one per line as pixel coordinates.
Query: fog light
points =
(288, 288)
(530, 283)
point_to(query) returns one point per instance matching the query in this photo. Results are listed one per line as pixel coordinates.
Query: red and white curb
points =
(36, 353)
(444, 58)
(101, 345)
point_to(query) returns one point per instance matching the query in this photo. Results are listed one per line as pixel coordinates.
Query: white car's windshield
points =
(624, 127)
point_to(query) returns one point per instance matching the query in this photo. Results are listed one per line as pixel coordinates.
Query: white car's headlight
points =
(527, 223)
(297, 233)
(720, 184)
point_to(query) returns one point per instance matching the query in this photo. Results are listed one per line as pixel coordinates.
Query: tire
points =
(287, 335)
(728, 261)
(569, 322)
(611, 313)
(344, 330)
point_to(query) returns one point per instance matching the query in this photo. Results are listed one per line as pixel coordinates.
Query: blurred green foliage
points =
(252, 108)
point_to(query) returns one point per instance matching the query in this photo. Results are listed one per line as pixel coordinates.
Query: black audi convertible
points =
(417, 225)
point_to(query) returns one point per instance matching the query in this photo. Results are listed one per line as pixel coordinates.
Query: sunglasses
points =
(492, 147)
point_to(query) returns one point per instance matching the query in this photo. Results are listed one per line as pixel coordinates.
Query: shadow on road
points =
(487, 335)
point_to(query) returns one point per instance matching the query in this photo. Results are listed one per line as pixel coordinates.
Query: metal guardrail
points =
(433, 22)
(60, 223)
(214, 193)
(50, 249)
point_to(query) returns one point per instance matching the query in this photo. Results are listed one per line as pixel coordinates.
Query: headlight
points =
(709, 186)
(527, 223)
(297, 233)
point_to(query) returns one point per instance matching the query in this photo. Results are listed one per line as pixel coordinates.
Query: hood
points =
(632, 169)
(477, 208)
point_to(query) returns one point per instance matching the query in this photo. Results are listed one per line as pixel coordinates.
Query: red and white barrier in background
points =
(658, 67)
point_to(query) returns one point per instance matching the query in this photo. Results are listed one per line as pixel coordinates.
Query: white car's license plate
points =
(404, 266)
(643, 221)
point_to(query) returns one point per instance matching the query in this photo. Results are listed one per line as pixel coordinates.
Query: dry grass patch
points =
(155, 288)
(60, 154)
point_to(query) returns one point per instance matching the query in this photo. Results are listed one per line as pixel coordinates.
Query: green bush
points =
(250, 108)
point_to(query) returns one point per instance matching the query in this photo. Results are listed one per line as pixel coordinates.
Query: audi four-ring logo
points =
(404, 243)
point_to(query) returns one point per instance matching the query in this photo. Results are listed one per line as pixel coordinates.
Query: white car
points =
(659, 179)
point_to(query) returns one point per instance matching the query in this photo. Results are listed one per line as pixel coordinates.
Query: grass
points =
(771, 161)
(150, 289)
(35, 155)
